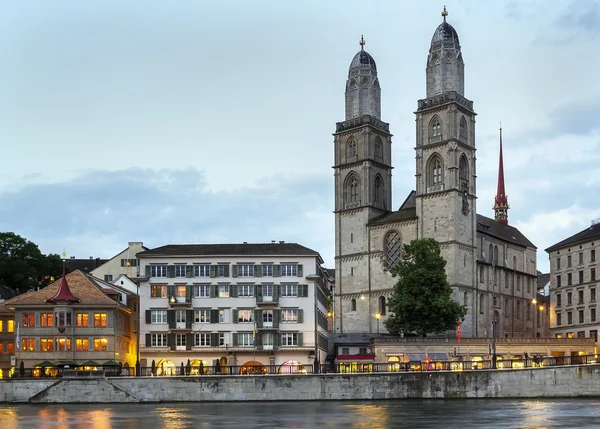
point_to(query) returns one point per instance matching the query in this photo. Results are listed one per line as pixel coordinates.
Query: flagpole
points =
(254, 343)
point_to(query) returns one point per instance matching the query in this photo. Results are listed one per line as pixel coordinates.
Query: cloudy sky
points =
(211, 121)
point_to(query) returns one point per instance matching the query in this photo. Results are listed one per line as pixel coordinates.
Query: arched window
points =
(495, 255)
(435, 127)
(378, 149)
(506, 307)
(465, 299)
(351, 148)
(352, 189)
(463, 129)
(506, 279)
(393, 249)
(353, 305)
(491, 254)
(435, 170)
(463, 173)
(514, 263)
(481, 304)
(378, 190)
(481, 274)
(382, 305)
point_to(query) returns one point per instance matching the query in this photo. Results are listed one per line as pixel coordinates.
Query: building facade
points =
(574, 284)
(7, 340)
(242, 305)
(123, 263)
(491, 266)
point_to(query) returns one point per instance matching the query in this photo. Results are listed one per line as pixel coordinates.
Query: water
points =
(413, 414)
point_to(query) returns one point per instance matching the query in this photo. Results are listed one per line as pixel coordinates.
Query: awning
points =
(438, 356)
(416, 357)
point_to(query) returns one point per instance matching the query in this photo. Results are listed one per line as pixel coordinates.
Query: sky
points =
(211, 121)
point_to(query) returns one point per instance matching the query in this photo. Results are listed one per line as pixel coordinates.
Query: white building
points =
(244, 305)
(124, 262)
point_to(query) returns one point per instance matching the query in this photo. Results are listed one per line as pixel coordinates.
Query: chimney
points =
(273, 241)
(281, 241)
(72, 257)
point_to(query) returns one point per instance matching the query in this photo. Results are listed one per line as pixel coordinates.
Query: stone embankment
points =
(567, 381)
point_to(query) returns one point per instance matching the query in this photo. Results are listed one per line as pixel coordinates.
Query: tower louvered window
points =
(393, 249)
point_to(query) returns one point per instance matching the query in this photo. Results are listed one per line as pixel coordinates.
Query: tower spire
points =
(63, 295)
(501, 202)
(444, 13)
(362, 43)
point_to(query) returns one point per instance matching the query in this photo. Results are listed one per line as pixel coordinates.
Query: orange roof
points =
(80, 285)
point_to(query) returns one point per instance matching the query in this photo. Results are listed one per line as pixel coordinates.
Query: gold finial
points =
(362, 42)
(444, 13)
(64, 254)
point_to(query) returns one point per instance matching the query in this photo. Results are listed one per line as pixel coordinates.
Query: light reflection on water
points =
(413, 414)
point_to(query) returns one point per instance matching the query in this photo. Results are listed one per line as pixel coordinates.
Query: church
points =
(491, 265)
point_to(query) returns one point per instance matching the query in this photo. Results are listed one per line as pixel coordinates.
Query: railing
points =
(455, 364)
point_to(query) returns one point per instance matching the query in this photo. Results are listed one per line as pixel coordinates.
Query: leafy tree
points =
(23, 266)
(422, 299)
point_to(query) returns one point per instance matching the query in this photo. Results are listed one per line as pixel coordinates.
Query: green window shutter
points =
(300, 339)
(213, 271)
(148, 270)
(303, 291)
(235, 315)
(300, 316)
(171, 319)
(148, 317)
(259, 293)
(259, 340)
(171, 341)
(189, 319)
(258, 318)
(258, 271)
(189, 271)
(189, 340)
(234, 271)
(188, 293)
(226, 274)
(275, 293)
(277, 270)
(148, 340)
(214, 316)
(234, 338)
(276, 318)
(300, 270)
(214, 291)
(170, 291)
(170, 271)
(214, 339)
(276, 339)
(233, 291)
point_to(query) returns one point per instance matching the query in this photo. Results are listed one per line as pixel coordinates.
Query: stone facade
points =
(496, 286)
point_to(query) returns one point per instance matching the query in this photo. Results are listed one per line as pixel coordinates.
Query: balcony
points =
(179, 302)
(267, 300)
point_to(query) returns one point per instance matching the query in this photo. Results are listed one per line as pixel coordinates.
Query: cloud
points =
(97, 213)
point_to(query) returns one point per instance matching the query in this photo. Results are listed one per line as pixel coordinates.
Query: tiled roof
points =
(543, 280)
(590, 233)
(238, 249)
(80, 285)
(488, 226)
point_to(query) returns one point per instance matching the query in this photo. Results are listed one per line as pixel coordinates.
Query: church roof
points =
(488, 226)
(363, 58)
(445, 33)
(590, 233)
(407, 211)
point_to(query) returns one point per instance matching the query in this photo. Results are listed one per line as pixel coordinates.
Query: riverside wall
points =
(568, 381)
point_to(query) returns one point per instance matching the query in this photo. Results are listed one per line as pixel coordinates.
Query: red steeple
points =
(501, 203)
(63, 295)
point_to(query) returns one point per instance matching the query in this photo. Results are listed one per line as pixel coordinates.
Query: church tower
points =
(445, 165)
(363, 178)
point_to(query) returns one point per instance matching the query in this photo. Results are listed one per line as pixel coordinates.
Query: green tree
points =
(422, 299)
(22, 264)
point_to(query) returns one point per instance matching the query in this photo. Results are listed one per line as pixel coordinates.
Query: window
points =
(569, 317)
(179, 270)
(202, 291)
(28, 320)
(46, 344)
(288, 290)
(289, 316)
(382, 306)
(594, 334)
(592, 274)
(62, 318)
(592, 314)
(1, 325)
(593, 255)
(108, 278)
(62, 344)
(353, 305)
(180, 340)
(593, 294)
(245, 270)
(558, 263)
(245, 316)
(580, 258)
(100, 344)
(569, 261)
(268, 316)
(481, 277)
(569, 279)
(158, 291)
(223, 291)
(378, 190)
(202, 316)
(202, 340)
(558, 282)
(158, 271)
(158, 340)
(129, 262)
(222, 316)
(11, 348)
(351, 148)
(245, 290)
(82, 344)
(378, 149)
(580, 296)
(222, 270)
(267, 291)
(11, 326)
(351, 190)
(481, 304)
(558, 319)
(580, 277)
(267, 270)
(99, 320)
(518, 282)
(435, 127)
(514, 263)
(28, 344)
(158, 316)
(289, 339)
(569, 298)
(558, 300)
(221, 338)
(581, 317)
(435, 170)
(180, 316)
(46, 320)
(463, 174)
(289, 270)
(245, 339)
(202, 270)
(463, 129)
(393, 249)
(180, 291)
(82, 320)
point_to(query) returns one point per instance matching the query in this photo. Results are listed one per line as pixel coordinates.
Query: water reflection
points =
(413, 414)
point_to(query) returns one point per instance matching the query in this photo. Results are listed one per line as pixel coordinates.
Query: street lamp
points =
(378, 316)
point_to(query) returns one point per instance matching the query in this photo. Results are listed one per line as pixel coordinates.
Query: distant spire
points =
(444, 13)
(362, 43)
(501, 202)
(63, 295)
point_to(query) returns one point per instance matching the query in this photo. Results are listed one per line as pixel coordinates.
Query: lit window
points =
(99, 320)
(100, 344)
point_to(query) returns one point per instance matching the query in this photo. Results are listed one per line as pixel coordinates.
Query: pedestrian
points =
(526, 357)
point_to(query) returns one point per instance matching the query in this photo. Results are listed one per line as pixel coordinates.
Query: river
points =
(413, 414)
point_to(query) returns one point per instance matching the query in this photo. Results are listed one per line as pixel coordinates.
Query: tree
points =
(22, 266)
(422, 298)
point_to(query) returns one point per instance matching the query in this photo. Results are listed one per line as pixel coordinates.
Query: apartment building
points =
(574, 284)
(238, 304)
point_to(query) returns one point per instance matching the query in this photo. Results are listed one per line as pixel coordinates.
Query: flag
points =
(254, 335)
(18, 338)
(458, 330)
